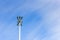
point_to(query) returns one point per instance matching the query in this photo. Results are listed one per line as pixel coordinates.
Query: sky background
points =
(41, 19)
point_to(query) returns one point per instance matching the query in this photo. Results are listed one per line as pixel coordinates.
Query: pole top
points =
(19, 20)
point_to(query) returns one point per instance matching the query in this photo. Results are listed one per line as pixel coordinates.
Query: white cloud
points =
(52, 20)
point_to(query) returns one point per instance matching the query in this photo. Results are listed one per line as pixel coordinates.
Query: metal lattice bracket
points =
(19, 20)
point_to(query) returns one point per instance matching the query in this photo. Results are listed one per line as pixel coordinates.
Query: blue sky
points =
(41, 19)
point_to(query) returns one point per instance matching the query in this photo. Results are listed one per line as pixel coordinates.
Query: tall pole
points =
(19, 33)
(19, 24)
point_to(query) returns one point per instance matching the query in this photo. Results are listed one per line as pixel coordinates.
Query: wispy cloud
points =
(47, 29)
(50, 22)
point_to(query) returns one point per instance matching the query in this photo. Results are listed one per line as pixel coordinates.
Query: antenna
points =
(19, 24)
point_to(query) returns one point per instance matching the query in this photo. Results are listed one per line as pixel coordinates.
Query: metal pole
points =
(19, 32)
(19, 24)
